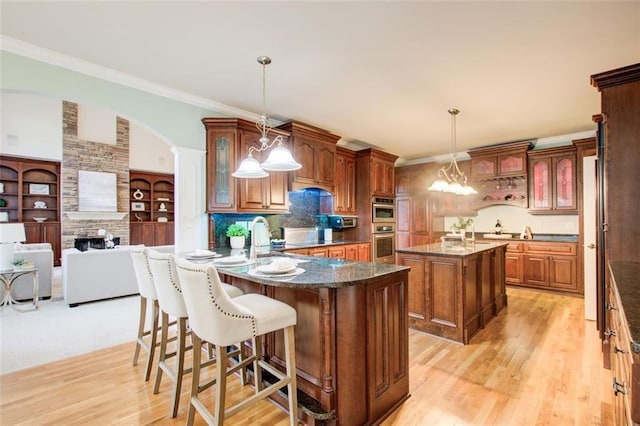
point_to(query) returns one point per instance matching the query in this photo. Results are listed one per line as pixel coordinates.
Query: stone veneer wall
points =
(98, 157)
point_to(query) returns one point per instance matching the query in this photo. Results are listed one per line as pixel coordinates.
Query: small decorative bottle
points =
(498, 228)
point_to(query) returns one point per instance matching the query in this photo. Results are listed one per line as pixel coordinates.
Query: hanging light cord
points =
(263, 124)
(452, 172)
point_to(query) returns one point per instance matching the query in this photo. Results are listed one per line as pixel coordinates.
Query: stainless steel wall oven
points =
(384, 243)
(383, 209)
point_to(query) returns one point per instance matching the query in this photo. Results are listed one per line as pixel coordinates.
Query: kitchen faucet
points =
(252, 250)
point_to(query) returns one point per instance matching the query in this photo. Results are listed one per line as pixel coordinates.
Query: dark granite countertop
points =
(319, 272)
(625, 276)
(438, 249)
(564, 238)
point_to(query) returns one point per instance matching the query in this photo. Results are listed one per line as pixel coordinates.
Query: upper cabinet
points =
(315, 150)
(30, 193)
(499, 173)
(552, 181)
(228, 142)
(344, 200)
(376, 171)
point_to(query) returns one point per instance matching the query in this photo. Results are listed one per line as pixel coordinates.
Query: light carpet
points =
(56, 331)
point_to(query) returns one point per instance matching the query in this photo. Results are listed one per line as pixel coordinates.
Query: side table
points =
(9, 276)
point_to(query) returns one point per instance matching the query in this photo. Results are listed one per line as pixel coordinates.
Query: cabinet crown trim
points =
(616, 77)
(506, 148)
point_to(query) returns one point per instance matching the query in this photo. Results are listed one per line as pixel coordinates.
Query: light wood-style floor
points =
(537, 363)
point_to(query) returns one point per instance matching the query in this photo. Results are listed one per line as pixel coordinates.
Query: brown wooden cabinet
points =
(228, 142)
(499, 174)
(551, 265)
(416, 223)
(383, 176)
(454, 296)
(32, 195)
(622, 350)
(152, 208)
(315, 150)
(552, 181)
(356, 344)
(344, 200)
(375, 176)
(514, 264)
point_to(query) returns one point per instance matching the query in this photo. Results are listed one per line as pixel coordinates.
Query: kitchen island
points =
(351, 335)
(454, 291)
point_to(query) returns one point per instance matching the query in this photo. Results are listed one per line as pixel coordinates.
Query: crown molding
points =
(42, 54)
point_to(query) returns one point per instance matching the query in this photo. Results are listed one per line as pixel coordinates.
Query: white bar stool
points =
(147, 294)
(172, 304)
(216, 318)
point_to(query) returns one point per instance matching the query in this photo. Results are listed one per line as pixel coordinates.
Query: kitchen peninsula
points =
(351, 335)
(454, 291)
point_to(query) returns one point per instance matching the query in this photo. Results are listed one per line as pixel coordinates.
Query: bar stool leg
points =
(177, 384)
(163, 351)
(155, 313)
(290, 355)
(195, 378)
(221, 380)
(141, 321)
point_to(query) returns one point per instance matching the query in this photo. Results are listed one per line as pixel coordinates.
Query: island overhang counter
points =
(454, 291)
(352, 336)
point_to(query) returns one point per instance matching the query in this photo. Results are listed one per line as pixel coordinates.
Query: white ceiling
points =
(377, 73)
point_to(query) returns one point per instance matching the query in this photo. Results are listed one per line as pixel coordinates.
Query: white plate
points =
(40, 219)
(268, 270)
(293, 273)
(201, 254)
(232, 260)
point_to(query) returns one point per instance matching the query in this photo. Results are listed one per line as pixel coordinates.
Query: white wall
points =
(514, 219)
(148, 152)
(31, 126)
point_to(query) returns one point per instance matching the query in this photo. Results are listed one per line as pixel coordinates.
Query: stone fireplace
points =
(79, 154)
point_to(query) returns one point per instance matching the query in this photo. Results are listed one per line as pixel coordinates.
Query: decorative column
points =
(190, 218)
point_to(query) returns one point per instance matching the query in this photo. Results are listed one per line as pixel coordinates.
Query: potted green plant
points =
(462, 225)
(237, 235)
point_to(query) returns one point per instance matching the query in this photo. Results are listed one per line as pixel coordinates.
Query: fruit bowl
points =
(40, 219)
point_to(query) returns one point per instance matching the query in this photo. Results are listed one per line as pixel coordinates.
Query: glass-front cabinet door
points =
(552, 181)
(512, 164)
(540, 195)
(482, 168)
(565, 185)
(220, 183)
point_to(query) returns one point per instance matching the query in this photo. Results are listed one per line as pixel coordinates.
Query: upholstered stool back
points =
(167, 285)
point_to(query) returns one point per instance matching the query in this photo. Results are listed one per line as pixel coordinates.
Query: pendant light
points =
(450, 178)
(280, 158)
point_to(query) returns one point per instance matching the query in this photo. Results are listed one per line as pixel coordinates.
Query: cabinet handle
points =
(618, 387)
(610, 332)
(618, 350)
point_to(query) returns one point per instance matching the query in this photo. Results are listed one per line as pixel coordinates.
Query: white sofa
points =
(93, 275)
(41, 254)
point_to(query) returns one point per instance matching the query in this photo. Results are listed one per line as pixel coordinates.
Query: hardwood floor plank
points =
(537, 362)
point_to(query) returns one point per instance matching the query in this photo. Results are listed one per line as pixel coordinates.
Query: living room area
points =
(52, 182)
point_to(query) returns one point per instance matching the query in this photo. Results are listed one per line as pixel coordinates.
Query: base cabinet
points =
(621, 333)
(454, 296)
(360, 252)
(45, 233)
(548, 265)
(349, 341)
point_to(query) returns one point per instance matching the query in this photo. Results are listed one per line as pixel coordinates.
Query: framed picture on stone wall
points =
(97, 192)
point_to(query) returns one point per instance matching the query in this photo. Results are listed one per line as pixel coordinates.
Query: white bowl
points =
(40, 219)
